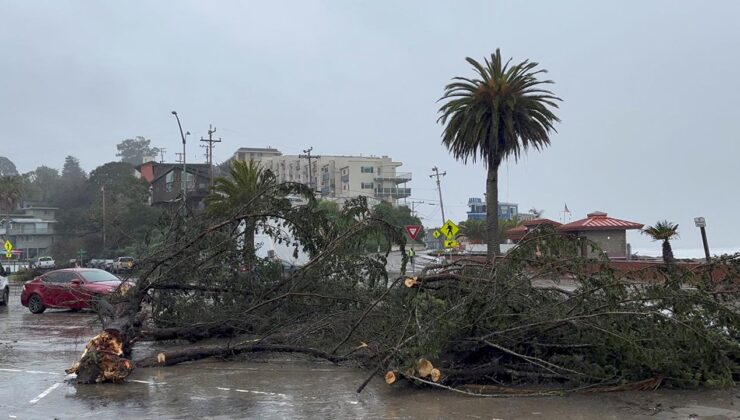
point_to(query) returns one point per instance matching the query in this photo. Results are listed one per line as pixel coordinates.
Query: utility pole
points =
(209, 153)
(413, 206)
(310, 168)
(179, 157)
(102, 189)
(439, 189)
(161, 154)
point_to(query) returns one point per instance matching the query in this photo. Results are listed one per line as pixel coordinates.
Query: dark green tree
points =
(502, 112)
(7, 167)
(11, 192)
(133, 151)
(664, 231)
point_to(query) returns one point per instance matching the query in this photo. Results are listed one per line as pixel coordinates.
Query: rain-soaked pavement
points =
(35, 350)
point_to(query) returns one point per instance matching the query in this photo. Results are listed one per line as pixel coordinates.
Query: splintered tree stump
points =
(436, 375)
(410, 282)
(102, 360)
(425, 368)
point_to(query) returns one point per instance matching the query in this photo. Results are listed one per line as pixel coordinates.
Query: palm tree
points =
(663, 231)
(474, 230)
(11, 192)
(239, 191)
(501, 113)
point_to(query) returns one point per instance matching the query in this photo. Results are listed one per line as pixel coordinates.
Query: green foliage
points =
(7, 167)
(503, 112)
(11, 192)
(133, 151)
(664, 231)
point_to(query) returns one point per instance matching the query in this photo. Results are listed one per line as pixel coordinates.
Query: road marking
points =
(146, 382)
(11, 370)
(45, 393)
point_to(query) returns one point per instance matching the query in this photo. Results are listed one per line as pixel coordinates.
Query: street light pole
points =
(184, 168)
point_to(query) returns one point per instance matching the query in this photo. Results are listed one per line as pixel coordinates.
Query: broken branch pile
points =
(541, 314)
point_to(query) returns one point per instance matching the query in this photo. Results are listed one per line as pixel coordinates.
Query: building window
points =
(367, 170)
(366, 185)
(169, 181)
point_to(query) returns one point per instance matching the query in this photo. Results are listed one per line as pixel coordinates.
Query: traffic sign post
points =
(450, 229)
(413, 231)
(8, 249)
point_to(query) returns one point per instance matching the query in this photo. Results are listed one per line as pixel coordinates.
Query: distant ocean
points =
(684, 252)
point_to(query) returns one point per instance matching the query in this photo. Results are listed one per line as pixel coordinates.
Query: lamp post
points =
(184, 173)
(702, 224)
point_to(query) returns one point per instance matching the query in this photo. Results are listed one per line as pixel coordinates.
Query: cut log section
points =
(410, 282)
(390, 377)
(436, 375)
(425, 368)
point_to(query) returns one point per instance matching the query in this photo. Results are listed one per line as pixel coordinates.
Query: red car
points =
(71, 288)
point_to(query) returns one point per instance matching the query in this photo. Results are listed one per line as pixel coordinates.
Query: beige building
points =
(336, 177)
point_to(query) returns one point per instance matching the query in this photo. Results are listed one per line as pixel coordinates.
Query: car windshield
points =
(95, 276)
(45, 259)
(126, 259)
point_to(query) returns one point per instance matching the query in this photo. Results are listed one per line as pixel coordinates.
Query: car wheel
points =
(6, 297)
(35, 305)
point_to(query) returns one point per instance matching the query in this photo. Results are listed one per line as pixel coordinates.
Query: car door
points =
(52, 289)
(78, 295)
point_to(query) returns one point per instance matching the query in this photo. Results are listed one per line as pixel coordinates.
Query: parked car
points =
(70, 288)
(4, 291)
(44, 263)
(107, 265)
(93, 263)
(122, 264)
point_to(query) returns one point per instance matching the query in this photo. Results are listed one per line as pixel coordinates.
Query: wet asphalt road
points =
(35, 350)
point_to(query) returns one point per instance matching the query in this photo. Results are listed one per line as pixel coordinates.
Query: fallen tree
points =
(540, 315)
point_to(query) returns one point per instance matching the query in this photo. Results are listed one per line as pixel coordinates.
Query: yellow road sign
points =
(8, 254)
(450, 229)
(8, 246)
(436, 234)
(451, 243)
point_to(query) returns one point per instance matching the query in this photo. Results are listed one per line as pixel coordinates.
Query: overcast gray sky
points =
(649, 119)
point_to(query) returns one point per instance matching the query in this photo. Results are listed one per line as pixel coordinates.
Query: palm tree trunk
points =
(667, 252)
(494, 247)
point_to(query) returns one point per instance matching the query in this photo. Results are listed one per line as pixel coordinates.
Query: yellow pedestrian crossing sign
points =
(8, 248)
(436, 234)
(450, 229)
(451, 243)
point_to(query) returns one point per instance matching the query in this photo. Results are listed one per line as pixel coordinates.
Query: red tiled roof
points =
(543, 221)
(599, 221)
(518, 232)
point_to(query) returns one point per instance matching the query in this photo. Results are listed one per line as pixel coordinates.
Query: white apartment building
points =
(337, 177)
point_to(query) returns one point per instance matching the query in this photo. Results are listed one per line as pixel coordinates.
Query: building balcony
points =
(396, 179)
(393, 192)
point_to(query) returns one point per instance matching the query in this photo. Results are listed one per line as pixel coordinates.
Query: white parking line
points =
(45, 393)
(11, 370)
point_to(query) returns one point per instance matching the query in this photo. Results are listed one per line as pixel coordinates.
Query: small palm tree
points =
(663, 231)
(238, 192)
(501, 113)
(11, 192)
(474, 230)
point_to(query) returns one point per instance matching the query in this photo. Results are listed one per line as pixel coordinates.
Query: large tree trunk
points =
(494, 247)
(667, 252)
